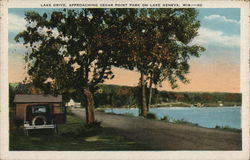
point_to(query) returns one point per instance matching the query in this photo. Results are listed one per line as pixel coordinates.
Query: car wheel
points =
(39, 120)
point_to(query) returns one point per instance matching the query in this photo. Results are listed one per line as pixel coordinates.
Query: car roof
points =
(25, 98)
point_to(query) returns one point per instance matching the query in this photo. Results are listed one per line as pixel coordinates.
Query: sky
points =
(216, 70)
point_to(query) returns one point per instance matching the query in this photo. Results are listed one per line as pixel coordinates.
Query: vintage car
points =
(39, 117)
(40, 111)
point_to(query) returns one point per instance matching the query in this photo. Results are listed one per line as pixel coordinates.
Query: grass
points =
(166, 118)
(129, 114)
(72, 136)
(227, 128)
(182, 121)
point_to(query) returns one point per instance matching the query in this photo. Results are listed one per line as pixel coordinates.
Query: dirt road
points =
(168, 136)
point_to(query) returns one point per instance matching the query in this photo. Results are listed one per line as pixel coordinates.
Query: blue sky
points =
(219, 34)
(225, 20)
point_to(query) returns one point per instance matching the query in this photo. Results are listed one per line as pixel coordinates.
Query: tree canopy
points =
(73, 50)
(159, 42)
(159, 45)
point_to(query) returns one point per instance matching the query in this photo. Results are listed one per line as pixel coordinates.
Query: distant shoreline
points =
(198, 105)
(178, 104)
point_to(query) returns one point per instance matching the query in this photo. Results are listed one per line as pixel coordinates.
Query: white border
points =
(4, 140)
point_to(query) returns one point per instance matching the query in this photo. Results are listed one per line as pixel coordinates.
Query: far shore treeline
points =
(125, 96)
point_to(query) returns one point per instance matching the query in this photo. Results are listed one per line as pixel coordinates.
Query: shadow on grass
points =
(72, 136)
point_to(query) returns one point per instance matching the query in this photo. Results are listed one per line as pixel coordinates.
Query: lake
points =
(205, 116)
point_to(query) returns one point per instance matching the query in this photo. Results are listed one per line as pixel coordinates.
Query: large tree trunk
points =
(90, 116)
(156, 95)
(143, 97)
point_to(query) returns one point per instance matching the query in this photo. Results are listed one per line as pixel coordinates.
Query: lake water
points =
(206, 116)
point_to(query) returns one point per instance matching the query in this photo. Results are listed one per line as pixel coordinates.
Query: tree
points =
(159, 45)
(11, 95)
(71, 51)
(139, 41)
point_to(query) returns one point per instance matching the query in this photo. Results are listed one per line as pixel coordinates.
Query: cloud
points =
(16, 23)
(216, 38)
(221, 18)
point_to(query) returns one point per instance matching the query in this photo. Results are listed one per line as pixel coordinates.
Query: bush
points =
(151, 116)
(217, 127)
(182, 121)
(95, 124)
(165, 118)
(227, 128)
(68, 111)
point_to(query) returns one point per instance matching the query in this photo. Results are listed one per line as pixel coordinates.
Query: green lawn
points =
(72, 136)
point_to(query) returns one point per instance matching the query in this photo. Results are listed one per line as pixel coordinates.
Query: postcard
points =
(124, 80)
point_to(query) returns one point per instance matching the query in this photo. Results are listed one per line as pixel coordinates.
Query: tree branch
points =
(96, 81)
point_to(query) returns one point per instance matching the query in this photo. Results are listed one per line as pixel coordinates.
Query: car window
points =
(39, 109)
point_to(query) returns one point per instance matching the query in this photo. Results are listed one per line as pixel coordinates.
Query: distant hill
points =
(118, 96)
(126, 95)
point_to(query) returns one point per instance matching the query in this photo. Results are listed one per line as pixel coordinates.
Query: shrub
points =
(165, 118)
(227, 128)
(68, 111)
(95, 124)
(182, 121)
(217, 127)
(151, 116)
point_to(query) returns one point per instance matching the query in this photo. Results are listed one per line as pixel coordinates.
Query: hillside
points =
(126, 96)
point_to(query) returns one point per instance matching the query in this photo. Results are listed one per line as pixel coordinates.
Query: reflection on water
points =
(206, 116)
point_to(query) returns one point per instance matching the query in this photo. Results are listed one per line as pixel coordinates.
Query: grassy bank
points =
(167, 119)
(72, 136)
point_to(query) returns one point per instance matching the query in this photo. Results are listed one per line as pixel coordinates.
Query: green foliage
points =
(165, 118)
(131, 96)
(75, 48)
(217, 127)
(11, 95)
(151, 48)
(182, 121)
(71, 50)
(227, 128)
(200, 97)
(117, 96)
(184, 99)
(151, 116)
(22, 88)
